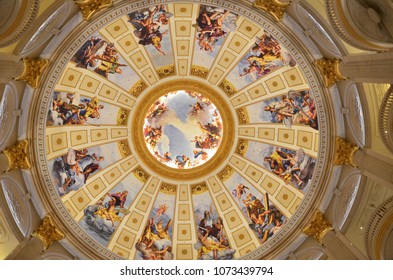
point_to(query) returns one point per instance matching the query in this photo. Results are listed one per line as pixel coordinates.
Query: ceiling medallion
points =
(183, 129)
(179, 132)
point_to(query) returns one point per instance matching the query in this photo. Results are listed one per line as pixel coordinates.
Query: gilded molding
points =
(138, 87)
(124, 148)
(273, 7)
(122, 117)
(141, 174)
(345, 152)
(199, 71)
(330, 70)
(318, 226)
(144, 154)
(242, 147)
(199, 188)
(18, 155)
(228, 87)
(89, 7)
(166, 71)
(33, 69)
(47, 232)
(225, 173)
(168, 189)
(242, 114)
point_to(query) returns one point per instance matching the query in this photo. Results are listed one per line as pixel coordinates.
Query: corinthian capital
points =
(345, 152)
(318, 227)
(330, 70)
(18, 155)
(90, 7)
(47, 232)
(273, 7)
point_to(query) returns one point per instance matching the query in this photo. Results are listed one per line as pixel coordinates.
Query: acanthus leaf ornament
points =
(90, 7)
(273, 7)
(330, 70)
(318, 227)
(199, 71)
(18, 156)
(33, 69)
(345, 152)
(47, 232)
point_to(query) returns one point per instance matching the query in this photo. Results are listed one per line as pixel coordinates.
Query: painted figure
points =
(148, 25)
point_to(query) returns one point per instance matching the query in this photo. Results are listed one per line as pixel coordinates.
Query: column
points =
(39, 241)
(337, 247)
(10, 67)
(368, 68)
(17, 157)
(360, 68)
(29, 249)
(375, 167)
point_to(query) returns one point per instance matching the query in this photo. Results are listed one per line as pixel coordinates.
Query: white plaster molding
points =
(20, 209)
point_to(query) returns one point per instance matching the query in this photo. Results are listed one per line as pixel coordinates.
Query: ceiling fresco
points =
(184, 125)
(137, 212)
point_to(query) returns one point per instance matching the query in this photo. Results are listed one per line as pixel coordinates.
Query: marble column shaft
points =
(368, 68)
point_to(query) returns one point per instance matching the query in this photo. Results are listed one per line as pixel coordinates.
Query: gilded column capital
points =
(18, 155)
(32, 70)
(90, 7)
(318, 226)
(47, 232)
(273, 7)
(345, 152)
(330, 70)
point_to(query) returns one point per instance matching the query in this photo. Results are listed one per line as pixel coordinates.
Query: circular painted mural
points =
(183, 129)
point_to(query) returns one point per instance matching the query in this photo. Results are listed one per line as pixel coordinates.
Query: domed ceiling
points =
(180, 131)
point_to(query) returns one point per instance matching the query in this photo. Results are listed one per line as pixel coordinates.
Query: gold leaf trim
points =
(47, 232)
(33, 69)
(166, 71)
(345, 152)
(122, 116)
(199, 71)
(18, 155)
(228, 87)
(168, 189)
(273, 7)
(225, 173)
(199, 188)
(141, 174)
(242, 114)
(138, 87)
(318, 227)
(124, 148)
(330, 70)
(242, 147)
(89, 7)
